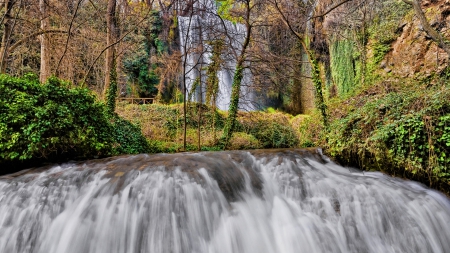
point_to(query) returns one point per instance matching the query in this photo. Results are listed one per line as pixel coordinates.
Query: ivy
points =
(111, 93)
(140, 71)
(342, 65)
(234, 103)
(403, 131)
(317, 81)
(51, 123)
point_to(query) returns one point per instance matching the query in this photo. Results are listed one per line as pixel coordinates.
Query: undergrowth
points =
(404, 132)
(163, 126)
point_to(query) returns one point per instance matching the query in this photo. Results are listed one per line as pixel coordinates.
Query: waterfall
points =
(260, 201)
(196, 29)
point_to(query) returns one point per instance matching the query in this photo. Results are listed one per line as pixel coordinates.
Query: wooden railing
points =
(139, 101)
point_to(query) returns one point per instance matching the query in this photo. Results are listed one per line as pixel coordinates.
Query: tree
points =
(45, 54)
(7, 30)
(304, 40)
(112, 35)
(243, 14)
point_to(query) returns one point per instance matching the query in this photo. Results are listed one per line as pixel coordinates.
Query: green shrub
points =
(51, 122)
(241, 140)
(272, 130)
(128, 137)
(310, 130)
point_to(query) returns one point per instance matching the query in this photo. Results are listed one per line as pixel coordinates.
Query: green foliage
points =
(47, 121)
(270, 130)
(128, 137)
(212, 81)
(385, 25)
(194, 88)
(382, 32)
(234, 103)
(274, 135)
(240, 141)
(407, 130)
(137, 69)
(224, 9)
(137, 65)
(51, 122)
(271, 110)
(309, 130)
(342, 65)
(111, 93)
(163, 125)
(317, 81)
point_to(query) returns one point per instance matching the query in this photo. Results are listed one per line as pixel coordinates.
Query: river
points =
(290, 200)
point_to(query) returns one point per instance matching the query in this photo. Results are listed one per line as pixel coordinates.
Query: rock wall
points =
(414, 54)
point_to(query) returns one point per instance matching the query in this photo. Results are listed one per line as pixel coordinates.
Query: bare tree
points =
(111, 38)
(7, 30)
(45, 54)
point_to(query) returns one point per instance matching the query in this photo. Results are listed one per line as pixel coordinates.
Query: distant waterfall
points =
(283, 201)
(195, 32)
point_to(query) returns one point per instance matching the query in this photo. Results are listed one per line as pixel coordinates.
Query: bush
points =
(128, 137)
(51, 122)
(271, 130)
(310, 130)
(241, 141)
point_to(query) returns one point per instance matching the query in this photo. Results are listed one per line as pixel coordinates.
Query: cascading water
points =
(259, 201)
(199, 27)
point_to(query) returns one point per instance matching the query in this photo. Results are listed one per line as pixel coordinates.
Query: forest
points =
(366, 80)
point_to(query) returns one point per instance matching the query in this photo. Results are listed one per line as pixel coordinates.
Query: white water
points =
(303, 206)
(196, 31)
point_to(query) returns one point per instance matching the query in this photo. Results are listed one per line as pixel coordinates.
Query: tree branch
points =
(68, 36)
(20, 42)
(330, 9)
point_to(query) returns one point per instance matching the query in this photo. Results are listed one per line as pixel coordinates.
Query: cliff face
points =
(413, 53)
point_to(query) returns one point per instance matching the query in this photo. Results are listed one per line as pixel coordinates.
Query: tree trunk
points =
(185, 93)
(315, 71)
(236, 88)
(7, 30)
(45, 56)
(111, 92)
(111, 37)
